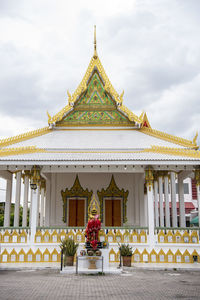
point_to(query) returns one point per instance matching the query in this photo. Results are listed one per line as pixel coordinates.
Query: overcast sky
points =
(149, 48)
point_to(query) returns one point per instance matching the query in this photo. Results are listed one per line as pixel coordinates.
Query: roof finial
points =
(95, 43)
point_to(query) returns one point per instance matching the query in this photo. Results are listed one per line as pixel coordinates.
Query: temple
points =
(96, 149)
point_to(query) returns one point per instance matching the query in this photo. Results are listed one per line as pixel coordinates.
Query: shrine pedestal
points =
(83, 265)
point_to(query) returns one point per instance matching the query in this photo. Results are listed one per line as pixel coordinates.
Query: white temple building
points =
(96, 148)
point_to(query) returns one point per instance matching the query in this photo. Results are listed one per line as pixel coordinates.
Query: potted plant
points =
(69, 248)
(126, 253)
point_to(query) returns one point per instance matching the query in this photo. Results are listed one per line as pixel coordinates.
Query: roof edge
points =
(169, 137)
(24, 136)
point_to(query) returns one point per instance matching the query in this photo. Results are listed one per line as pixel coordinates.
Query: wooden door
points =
(116, 212)
(113, 212)
(108, 213)
(76, 212)
(80, 213)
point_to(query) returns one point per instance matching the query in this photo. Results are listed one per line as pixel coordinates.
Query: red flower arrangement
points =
(92, 231)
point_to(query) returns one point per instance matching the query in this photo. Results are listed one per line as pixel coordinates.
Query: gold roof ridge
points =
(94, 63)
(24, 136)
(169, 137)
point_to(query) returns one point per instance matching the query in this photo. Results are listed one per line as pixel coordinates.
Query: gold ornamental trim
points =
(20, 150)
(169, 137)
(113, 191)
(197, 177)
(174, 151)
(24, 136)
(75, 191)
(149, 178)
(95, 63)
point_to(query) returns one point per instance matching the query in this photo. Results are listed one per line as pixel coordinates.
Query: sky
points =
(149, 48)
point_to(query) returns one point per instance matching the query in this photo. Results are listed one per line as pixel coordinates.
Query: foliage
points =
(12, 216)
(69, 247)
(125, 250)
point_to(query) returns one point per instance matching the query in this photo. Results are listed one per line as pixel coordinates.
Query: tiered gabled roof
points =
(95, 102)
(96, 106)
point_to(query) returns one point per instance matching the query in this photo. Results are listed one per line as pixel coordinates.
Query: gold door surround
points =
(76, 191)
(111, 192)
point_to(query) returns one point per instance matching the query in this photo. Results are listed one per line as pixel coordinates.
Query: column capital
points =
(35, 177)
(42, 183)
(149, 177)
(197, 176)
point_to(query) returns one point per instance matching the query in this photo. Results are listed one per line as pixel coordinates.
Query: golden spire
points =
(95, 43)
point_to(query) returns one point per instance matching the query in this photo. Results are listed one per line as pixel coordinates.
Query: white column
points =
(8, 202)
(42, 208)
(136, 203)
(156, 203)
(17, 199)
(166, 195)
(48, 202)
(173, 199)
(53, 199)
(38, 205)
(143, 221)
(150, 201)
(181, 202)
(25, 202)
(198, 199)
(34, 214)
(30, 208)
(160, 182)
(150, 206)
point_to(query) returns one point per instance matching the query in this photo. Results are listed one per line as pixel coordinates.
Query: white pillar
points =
(198, 199)
(17, 199)
(143, 219)
(166, 195)
(150, 207)
(30, 208)
(42, 208)
(53, 199)
(173, 199)
(38, 205)
(150, 214)
(8, 202)
(160, 181)
(156, 203)
(34, 214)
(25, 202)
(181, 202)
(48, 202)
(136, 202)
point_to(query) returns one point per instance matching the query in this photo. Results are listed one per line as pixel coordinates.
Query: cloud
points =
(148, 48)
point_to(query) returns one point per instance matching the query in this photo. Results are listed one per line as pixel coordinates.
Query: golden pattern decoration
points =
(169, 137)
(20, 150)
(113, 191)
(149, 178)
(75, 191)
(197, 176)
(95, 64)
(23, 137)
(173, 151)
(93, 207)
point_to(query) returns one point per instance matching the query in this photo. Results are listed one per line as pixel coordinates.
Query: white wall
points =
(94, 182)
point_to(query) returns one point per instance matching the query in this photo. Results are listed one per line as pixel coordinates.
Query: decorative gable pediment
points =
(95, 106)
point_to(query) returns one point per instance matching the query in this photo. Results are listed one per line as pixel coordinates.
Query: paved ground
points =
(135, 284)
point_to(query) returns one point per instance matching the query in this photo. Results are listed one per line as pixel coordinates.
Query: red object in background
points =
(194, 190)
(188, 207)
